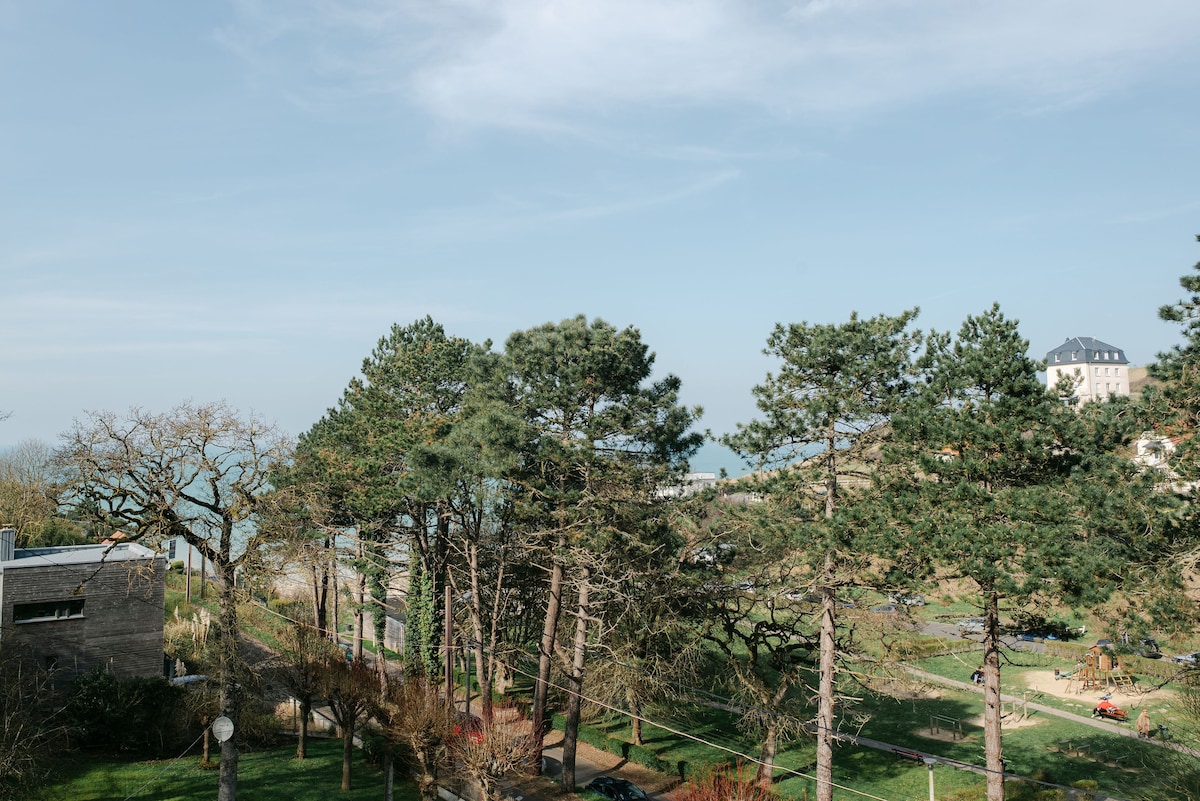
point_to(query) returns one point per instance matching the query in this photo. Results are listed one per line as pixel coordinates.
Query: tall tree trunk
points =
(546, 654)
(302, 737)
(336, 604)
(635, 707)
(575, 685)
(827, 687)
(360, 600)
(991, 697)
(321, 571)
(448, 639)
(227, 650)
(766, 765)
(347, 755)
(484, 669)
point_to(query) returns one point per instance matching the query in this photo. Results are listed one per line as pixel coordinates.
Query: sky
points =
(234, 200)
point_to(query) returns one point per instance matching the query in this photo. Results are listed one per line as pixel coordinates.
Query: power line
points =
(613, 708)
(168, 766)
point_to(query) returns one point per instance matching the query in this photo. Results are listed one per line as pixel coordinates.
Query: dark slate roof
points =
(1078, 350)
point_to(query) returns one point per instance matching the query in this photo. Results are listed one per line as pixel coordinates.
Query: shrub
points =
(645, 757)
(724, 787)
(143, 715)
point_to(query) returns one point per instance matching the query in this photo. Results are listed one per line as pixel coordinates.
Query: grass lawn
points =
(1056, 750)
(269, 775)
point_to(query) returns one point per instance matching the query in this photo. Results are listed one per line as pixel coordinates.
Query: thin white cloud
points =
(507, 215)
(565, 65)
(131, 321)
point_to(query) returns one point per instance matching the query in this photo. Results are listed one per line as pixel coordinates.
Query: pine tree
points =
(986, 497)
(824, 416)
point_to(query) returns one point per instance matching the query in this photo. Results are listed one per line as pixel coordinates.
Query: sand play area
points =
(1143, 693)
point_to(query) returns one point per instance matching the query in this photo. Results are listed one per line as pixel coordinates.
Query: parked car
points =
(1148, 648)
(907, 598)
(886, 609)
(1191, 660)
(971, 624)
(469, 725)
(616, 789)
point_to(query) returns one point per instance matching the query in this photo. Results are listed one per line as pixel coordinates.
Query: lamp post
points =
(930, 762)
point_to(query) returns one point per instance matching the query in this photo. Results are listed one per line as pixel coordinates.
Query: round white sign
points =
(222, 729)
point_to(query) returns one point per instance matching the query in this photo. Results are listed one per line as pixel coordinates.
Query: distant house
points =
(76, 607)
(1096, 369)
(691, 484)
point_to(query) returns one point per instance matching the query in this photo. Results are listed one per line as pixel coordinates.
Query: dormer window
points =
(1074, 355)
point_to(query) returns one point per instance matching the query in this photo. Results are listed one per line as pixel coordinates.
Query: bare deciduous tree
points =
(28, 494)
(197, 472)
(416, 718)
(302, 654)
(500, 749)
(30, 723)
(352, 690)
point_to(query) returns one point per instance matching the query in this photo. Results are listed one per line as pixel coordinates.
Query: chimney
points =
(8, 541)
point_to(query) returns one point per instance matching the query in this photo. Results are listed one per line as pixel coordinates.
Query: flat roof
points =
(77, 555)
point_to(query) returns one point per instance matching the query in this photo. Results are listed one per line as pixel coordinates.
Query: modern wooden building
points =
(76, 607)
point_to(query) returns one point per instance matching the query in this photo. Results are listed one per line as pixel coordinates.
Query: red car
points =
(470, 725)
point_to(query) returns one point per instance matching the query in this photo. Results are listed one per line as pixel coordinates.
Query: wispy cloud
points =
(506, 215)
(128, 321)
(550, 65)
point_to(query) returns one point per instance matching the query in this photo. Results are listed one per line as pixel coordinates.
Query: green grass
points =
(269, 775)
(1060, 750)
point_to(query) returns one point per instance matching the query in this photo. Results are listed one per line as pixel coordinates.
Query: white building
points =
(1097, 369)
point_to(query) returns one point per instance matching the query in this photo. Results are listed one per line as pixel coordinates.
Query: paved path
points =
(1086, 720)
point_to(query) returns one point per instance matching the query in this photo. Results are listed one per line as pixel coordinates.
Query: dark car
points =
(1148, 648)
(617, 789)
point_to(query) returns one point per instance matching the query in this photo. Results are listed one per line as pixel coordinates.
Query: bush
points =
(143, 715)
(724, 787)
(646, 758)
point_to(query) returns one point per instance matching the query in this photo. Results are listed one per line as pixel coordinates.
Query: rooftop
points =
(77, 555)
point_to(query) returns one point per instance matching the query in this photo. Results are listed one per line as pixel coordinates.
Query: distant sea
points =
(712, 457)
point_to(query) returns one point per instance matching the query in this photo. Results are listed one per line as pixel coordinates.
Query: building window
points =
(1097, 371)
(1074, 355)
(1097, 387)
(1108, 387)
(1118, 387)
(1116, 371)
(1058, 357)
(1106, 371)
(47, 610)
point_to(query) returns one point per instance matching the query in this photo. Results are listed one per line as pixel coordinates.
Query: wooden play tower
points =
(1098, 671)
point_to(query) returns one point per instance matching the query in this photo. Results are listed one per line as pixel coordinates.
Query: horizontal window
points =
(47, 610)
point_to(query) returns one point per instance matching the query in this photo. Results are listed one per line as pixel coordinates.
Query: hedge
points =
(639, 754)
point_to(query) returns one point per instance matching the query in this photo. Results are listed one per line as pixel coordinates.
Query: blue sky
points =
(235, 200)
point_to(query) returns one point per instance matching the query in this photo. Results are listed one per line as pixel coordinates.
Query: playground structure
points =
(939, 722)
(1098, 670)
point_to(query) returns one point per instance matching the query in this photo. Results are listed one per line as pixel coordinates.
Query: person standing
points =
(1143, 724)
